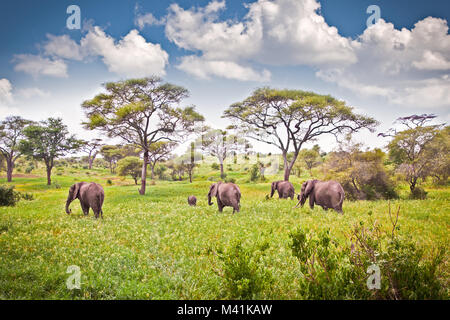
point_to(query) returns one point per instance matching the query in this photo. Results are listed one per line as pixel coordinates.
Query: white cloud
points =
(63, 47)
(131, 56)
(6, 99)
(5, 91)
(406, 67)
(202, 68)
(28, 93)
(37, 65)
(280, 32)
(147, 19)
(432, 61)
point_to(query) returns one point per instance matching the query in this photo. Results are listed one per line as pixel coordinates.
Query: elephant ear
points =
(213, 190)
(309, 187)
(76, 190)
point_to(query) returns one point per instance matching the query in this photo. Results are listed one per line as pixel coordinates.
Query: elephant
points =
(227, 194)
(285, 189)
(192, 200)
(91, 195)
(327, 194)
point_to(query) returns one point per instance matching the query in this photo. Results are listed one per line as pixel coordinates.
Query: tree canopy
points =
(141, 112)
(47, 141)
(11, 132)
(287, 119)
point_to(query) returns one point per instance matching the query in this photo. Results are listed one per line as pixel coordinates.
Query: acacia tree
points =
(92, 148)
(288, 119)
(47, 141)
(130, 166)
(11, 132)
(111, 154)
(408, 147)
(141, 112)
(220, 144)
(159, 151)
(311, 158)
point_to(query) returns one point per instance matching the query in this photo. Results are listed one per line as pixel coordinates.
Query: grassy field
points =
(157, 247)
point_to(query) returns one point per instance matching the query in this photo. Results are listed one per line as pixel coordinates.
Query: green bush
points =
(109, 182)
(215, 166)
(8, 197)
(418, 194)
(254, 173)
(245, 275)
(335, 271)
(233, 180)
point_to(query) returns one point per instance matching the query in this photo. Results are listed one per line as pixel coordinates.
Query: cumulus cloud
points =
(28, 93)
(36, 65)
(400, 65)
(280, 32)
(6, 99)
(131, 56)
(62, 47)
(142, 20)
(226, 69)
(5, 91)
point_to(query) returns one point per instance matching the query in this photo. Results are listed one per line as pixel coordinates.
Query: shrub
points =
(109, 182)
(254, 173)
(418, 194)
(29, 169)
(8, 197)
(233, 180)
(335, 271)
(27, 196)
(215, 166)
(56, 185)
(212, 178)
(244, 273)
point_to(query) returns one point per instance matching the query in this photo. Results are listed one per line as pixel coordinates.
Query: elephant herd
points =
(327, 194)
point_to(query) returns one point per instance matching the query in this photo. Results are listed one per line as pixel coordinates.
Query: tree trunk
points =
(190, 176)
(91, 160)
(288, 165)
(222, 176)
(9, 169)
(144, 174)
(153, 170)
(49, 175)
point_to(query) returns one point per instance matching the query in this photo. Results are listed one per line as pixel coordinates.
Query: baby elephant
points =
(327, 194)
(192, 200)
(285, 189)
(91, 195)
(227, 194)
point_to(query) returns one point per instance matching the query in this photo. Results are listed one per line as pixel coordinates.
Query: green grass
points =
(157, 247)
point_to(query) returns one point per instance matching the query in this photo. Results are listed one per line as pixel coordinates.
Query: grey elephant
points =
(227, 194)
(327, 194)
(91, 195)
(285, 189)
(192, 200)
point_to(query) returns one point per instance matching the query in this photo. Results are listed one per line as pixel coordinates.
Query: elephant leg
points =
(85, 209)
(220, 205)
(311, 201)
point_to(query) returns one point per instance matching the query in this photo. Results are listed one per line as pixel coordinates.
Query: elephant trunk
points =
(68, 211)
(209, 200)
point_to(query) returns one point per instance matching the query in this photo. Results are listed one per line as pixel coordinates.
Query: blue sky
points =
(222, 50)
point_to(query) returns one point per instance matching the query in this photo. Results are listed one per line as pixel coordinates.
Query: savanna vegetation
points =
(152, 245)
